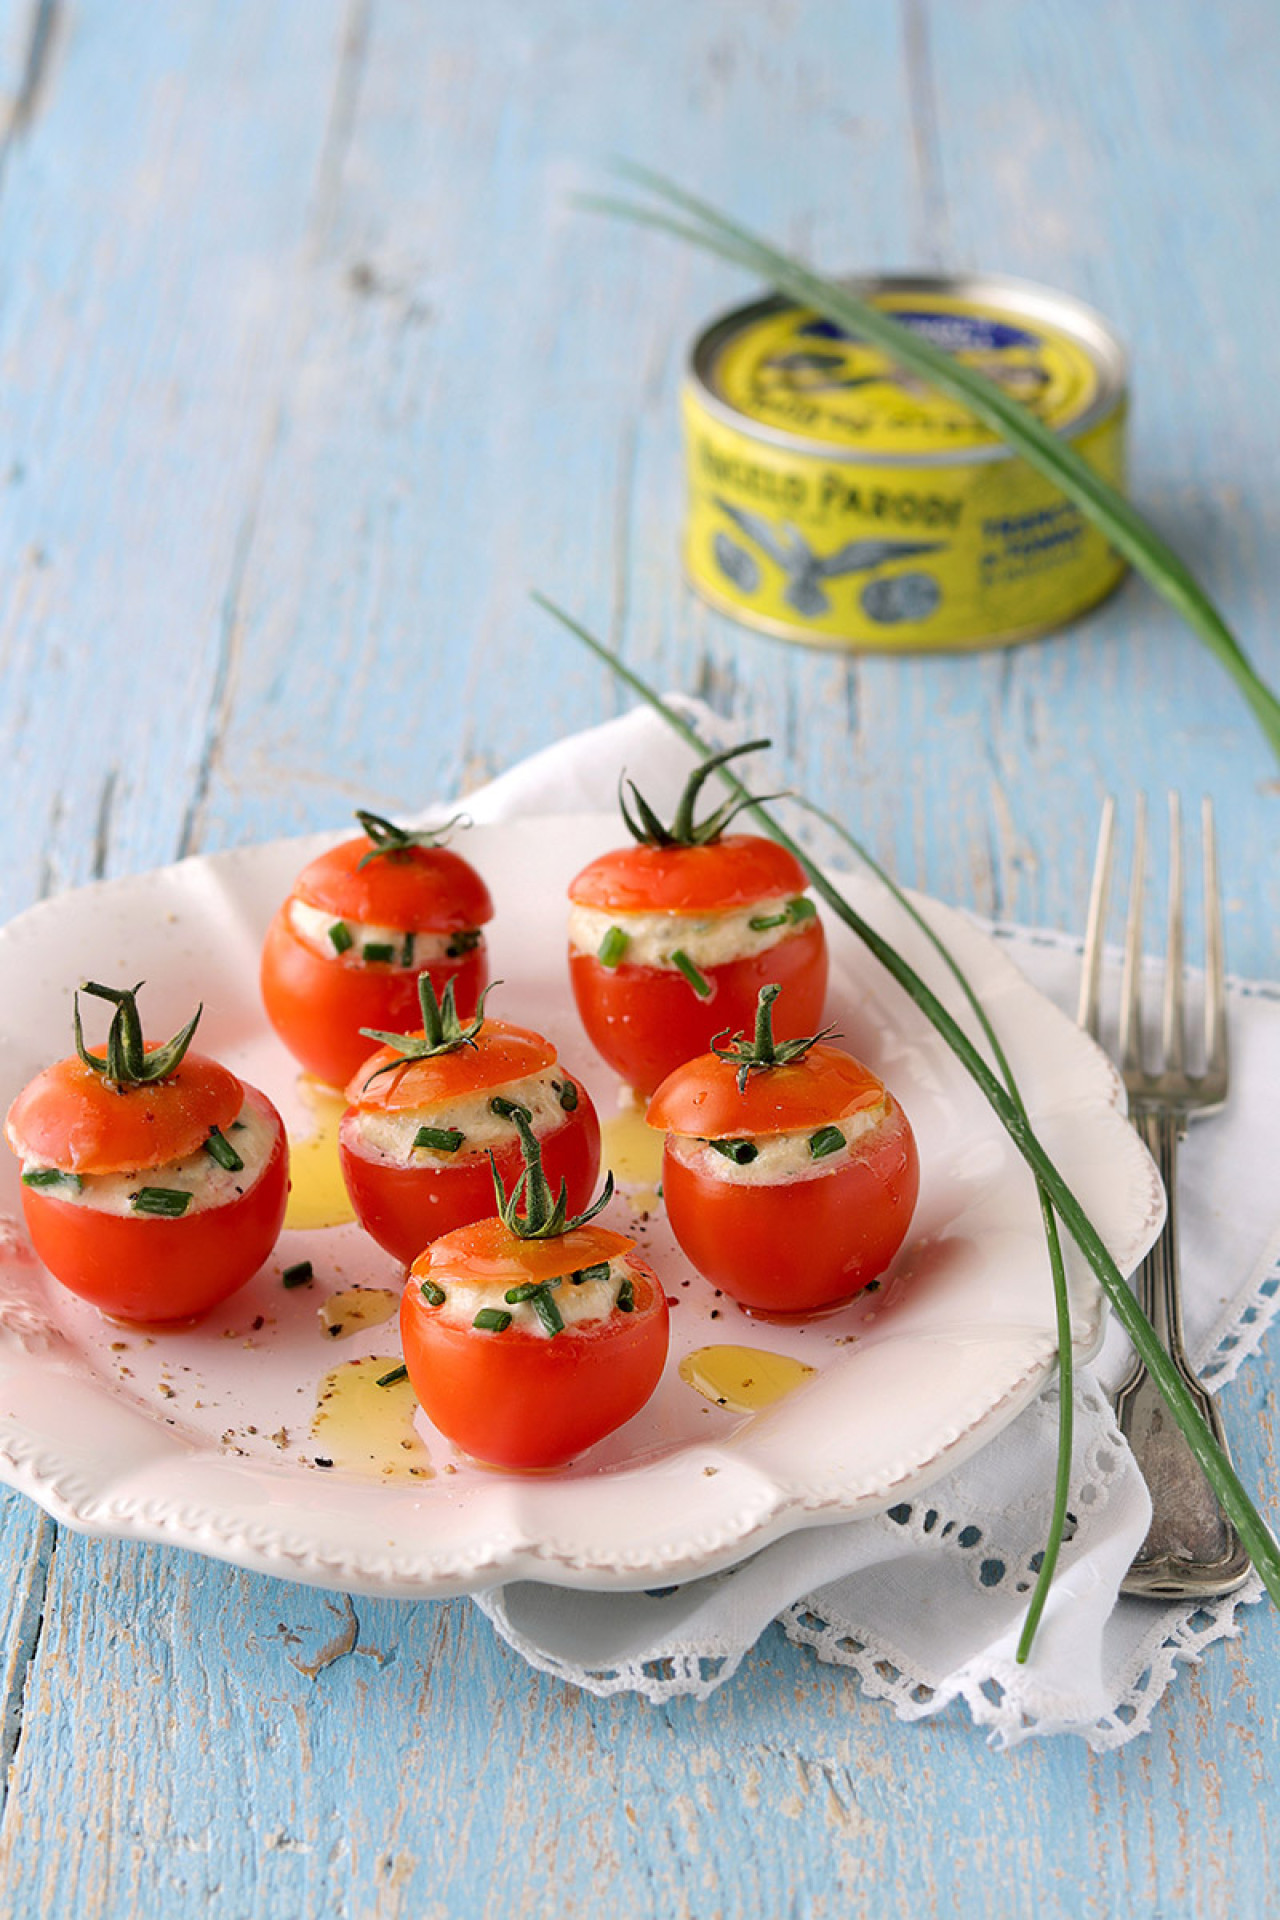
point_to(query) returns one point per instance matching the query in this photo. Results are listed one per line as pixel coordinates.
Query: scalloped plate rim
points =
(168, 1516)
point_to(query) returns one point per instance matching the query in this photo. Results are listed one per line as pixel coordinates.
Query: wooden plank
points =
(470, 335)
(144, 331)
(30, 32)
(1078, 154)
(299, 1753)
(27, 1544)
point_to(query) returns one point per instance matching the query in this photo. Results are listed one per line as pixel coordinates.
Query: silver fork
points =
(1192, 1551)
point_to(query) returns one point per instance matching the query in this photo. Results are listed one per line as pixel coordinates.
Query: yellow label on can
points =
(833, 498)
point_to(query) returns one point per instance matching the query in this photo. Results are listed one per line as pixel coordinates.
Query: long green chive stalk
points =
(1053, 1242)
(1218, 1470)
(1129, 533)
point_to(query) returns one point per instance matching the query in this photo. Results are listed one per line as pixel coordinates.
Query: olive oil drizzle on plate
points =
(743, 1379)
(356, 1308)
(363, 1428)
(633, 1150)
(317, 1193)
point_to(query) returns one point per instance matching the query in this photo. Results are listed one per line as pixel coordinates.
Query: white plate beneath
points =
(202, 1438)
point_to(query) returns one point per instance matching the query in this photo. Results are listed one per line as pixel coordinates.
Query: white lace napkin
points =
(926, 1602)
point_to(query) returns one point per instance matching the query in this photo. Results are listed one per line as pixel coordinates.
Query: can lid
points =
(801, 378)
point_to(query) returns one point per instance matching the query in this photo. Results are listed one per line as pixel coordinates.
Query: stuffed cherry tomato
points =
(789, 1174)
(433, 1112)
(671, 940)
(153, 1180)
(530, 1336)
(364, 922)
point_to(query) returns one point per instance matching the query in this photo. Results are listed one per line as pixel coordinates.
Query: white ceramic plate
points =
(203, 1438)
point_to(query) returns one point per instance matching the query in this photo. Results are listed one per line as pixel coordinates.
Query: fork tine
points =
(1215, 986)
(1191, 1550)
(1174, 1051)
(1087, 1011)
(1131, 978)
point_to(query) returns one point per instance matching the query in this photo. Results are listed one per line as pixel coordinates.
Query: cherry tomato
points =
(646, 1020)
(814, 1237)
(318, 1001)
(138, 1266)
(523, 1400)
(406, 1207)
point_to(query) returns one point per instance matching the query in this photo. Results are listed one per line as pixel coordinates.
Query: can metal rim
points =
(1005, 294)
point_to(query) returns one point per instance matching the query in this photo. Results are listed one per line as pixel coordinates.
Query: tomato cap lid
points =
(501, 1053)
(702, 1098)
(73, 1118)
(416, 889)
(721, 877)
(487, 1250)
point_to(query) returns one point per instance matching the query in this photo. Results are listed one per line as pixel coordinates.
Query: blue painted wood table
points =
(309, 372)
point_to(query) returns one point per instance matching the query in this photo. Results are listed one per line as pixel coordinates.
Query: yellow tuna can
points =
(838, 499)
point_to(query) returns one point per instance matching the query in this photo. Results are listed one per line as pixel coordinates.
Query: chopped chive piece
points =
(432, 1294)
(378, 950)
(492, 1320)
(763, 922)
(825, 1140)
(612, 947)
(340, 936)
(568, 1096)
(801, 908)
(52, 1177)
(698, 981)
(741, 1152)
(525, 1291)
(599, 1272)
(167, 1203)
(439, 1139)
(219, 1148)
(297, 1275)
(396, 1374)
(237, 1126)
(627, 1297)
(508, 1109)
(465, 942)
(406, 951)
(547, 1311)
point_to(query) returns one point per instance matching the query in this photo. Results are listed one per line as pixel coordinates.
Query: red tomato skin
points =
(702, 1097)
(520, 1401)
(318, 1005)
(422, 889)
(647, 1021)
(154, 1271)
(722, 877)
(73, 1118)
(803, 1245)
(501, 1054)
(405, 1208)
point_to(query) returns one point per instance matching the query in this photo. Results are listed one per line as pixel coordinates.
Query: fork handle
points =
(1191, 1551)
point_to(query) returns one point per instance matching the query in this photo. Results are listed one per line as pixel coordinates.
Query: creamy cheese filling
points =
(390, 1136)
(780, 1157)
(708, 939)
(251, 1138)
(392, 946)
(593, 1299)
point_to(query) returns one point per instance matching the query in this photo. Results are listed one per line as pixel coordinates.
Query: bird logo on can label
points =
(807, 572)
